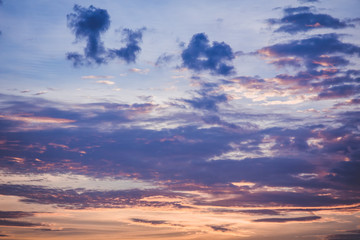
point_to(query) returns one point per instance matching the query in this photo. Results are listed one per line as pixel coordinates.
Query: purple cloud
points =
(199, 55)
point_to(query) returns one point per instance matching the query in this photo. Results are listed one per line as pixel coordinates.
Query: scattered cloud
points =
(15, 214)
(164, 59)
(132, 39)
(348, 235)
(311, 47)
(283, 220)
(302, 19)
(199, 55)
(4, 222)
(106, 82)
(152, 222)
(89, 24)
(138, 70)
(220, 228)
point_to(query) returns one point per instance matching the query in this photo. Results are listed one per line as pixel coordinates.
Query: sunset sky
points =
(194, 120)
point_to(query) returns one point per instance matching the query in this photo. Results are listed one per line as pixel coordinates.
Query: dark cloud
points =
(131, 50)
(15, 214)
(89, 24)
(347, 172)
(348, 235)
(251, 211)
(312, 47)
(180, 155)
(220, 228)
(323, 56)
(4, 222)
(81, 199)
(301, 19)
(209, 99)
(214, 119)
(339, 91)
(200, 55)
(152, 222)
(207, 102)
(284, 220)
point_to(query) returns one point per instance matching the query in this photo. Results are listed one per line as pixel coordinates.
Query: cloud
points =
(152, 222)
(275, 159)
(323, 57)
(220, 228)
(311, 47)
(4, 222)
(164, 59)
(106, 82)
(301, 19)
(89, 24)
(199, 55)
(208, 100)
(283, 220)
(339, 91)
(138, 70)
(349, 235)
(80, 199)
(15, 214)
(131, 50)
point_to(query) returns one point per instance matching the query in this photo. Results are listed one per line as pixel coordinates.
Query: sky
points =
(191, 120)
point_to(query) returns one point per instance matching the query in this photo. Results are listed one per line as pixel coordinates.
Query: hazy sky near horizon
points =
(180, 119)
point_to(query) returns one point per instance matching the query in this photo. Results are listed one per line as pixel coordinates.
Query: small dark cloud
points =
(88, 24)
(283, 220)
(301, 19)
(349, 235)
(132, 38)
(164, 59)
(200, 55)
(207, 102)
(250, 211)
(4, 222)
(152, 222)
(15, 214)
(220, 228)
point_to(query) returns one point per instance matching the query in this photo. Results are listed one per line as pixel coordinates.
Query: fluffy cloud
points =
(200, 55)
(89, 24)
(301, 19)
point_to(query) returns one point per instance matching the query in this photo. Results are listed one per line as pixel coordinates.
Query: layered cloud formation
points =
(224, 154)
